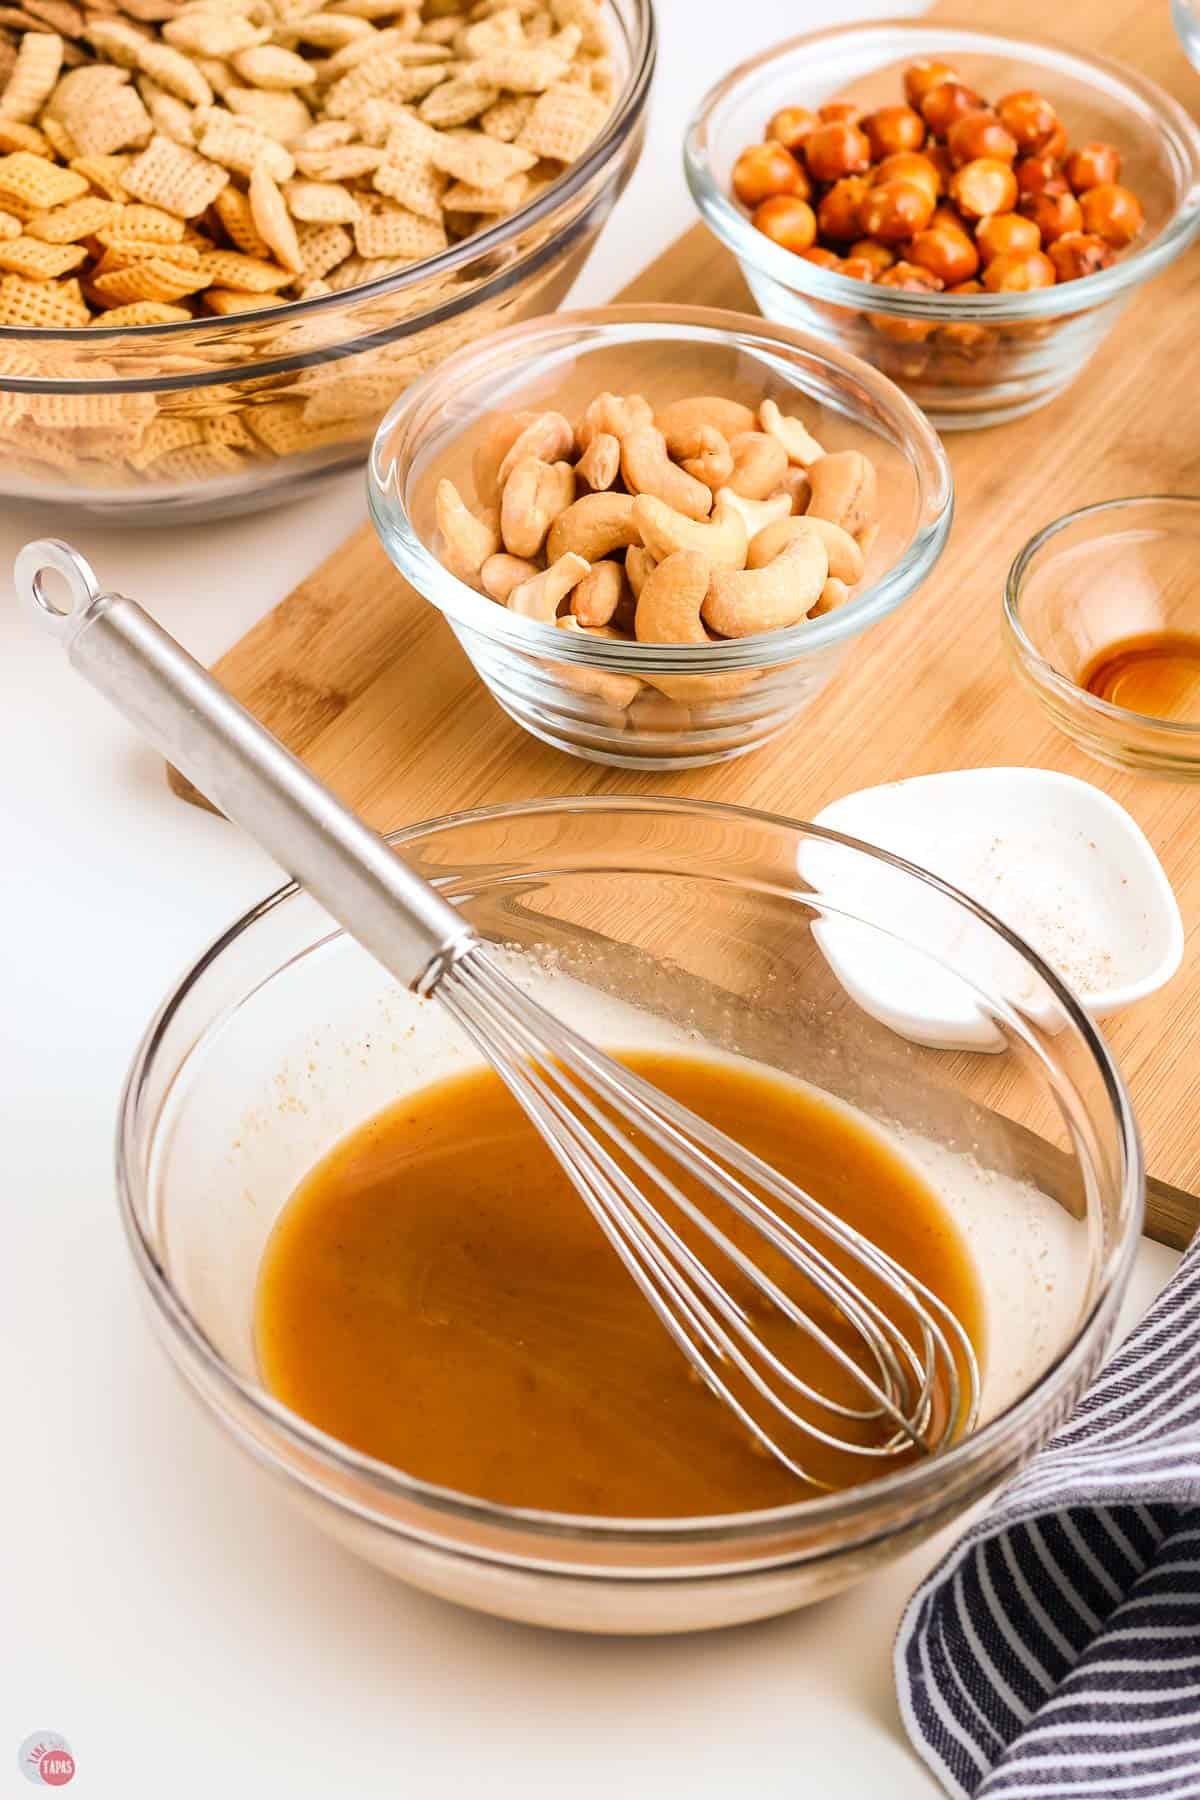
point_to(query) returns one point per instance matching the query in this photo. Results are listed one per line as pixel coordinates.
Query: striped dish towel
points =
(1054, 1654)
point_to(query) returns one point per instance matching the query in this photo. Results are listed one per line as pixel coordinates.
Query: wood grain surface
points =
(364, 680)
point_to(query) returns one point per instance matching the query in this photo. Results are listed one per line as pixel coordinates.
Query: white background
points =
(160, 1607)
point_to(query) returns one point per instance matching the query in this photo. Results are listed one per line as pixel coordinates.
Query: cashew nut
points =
(797, 487)
(797, 442)
(704, 452)
(593, 527)
(845, 557)
(729, 417)
(615, 690)
(614, 414)
(758, 514)
(759, 465)
(601, 462)
(469, 540)
(548, 436)
(866, 538)
(668, 608)
(843, 490)
(541, 596)
(599, 594)
(638, 564)
(754, 600)
(834, 593)
(501, 573)
(535, 493)
(648, 469)
(498, 440)
(654, 712)
(722, 541)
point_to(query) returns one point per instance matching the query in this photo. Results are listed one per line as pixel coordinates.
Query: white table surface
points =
(161, 1608)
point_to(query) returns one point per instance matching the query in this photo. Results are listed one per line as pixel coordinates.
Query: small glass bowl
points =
(633, 917)
(305, 385)
(696, 704)
(1186, 21)
(1109, 572)
(968, 360)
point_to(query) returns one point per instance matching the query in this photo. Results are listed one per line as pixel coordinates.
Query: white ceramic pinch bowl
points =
(1056, 860)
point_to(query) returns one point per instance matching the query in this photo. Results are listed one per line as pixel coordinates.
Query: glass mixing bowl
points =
(639, 919)
(968, 360)
(1118, 571)
(248, 412)
(696, 704)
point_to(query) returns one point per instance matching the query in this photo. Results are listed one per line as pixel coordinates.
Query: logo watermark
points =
(45, 1759)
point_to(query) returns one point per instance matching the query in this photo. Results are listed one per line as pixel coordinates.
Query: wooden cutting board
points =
(363, 679)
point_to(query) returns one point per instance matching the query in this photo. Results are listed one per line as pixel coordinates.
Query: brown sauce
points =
(1156, 674)
(436, 1294)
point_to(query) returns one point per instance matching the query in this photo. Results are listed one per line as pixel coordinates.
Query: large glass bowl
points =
(969, 360)
(696, 704)
(309, 382)
(638, 919)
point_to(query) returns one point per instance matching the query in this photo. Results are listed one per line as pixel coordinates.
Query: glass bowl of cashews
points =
(657, 532)
(969, 212)
(231, 234)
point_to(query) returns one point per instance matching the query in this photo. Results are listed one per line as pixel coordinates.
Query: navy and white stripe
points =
(1054, 1654)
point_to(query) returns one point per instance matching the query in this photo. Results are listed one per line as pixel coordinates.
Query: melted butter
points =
(436, 1294)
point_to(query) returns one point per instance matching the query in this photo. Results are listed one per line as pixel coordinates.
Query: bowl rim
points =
(628, 108)
(1181, 732)
(1171, 122)
(860, 1505)
(464, 606)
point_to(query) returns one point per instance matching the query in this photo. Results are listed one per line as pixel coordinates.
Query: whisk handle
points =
(241, 768)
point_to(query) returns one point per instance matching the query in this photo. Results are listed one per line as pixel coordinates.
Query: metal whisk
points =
(905, 1372)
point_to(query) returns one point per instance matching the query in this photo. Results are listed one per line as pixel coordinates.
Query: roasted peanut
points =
(726, 416)
(501, 573)
(909, 278)
(763, 170)
(704, 452)
(913, 166)
(741, 603)
(1029, 119)
(759, 465)
(468, 540)
(880, 256)
(843, 490)
(821, 258)
(893, 128)
(945, 251)
(798, 444)
(541, 596)
(600, 463)
(548, 436)
(597, 596)
(534, 495)
(722, 541)
(647, 469)
(668, 608)
(1040, 175)
(836, 149)
(921, 76)
(844, 556)
(834, 112)
(1080, 253)
(593, 527)
(791, 125)
(984, 186)
(613, 415)
(1112, 212)
(1093, 165)
(788, 221)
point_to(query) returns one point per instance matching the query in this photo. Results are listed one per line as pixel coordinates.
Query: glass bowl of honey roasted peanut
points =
(1102, 626)
(377, 1282)
(658, 532)
(967, 211)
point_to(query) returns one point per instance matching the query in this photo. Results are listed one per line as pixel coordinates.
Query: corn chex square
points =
(384, 229)
(174, 178)
(480, 161)
(564, 121)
